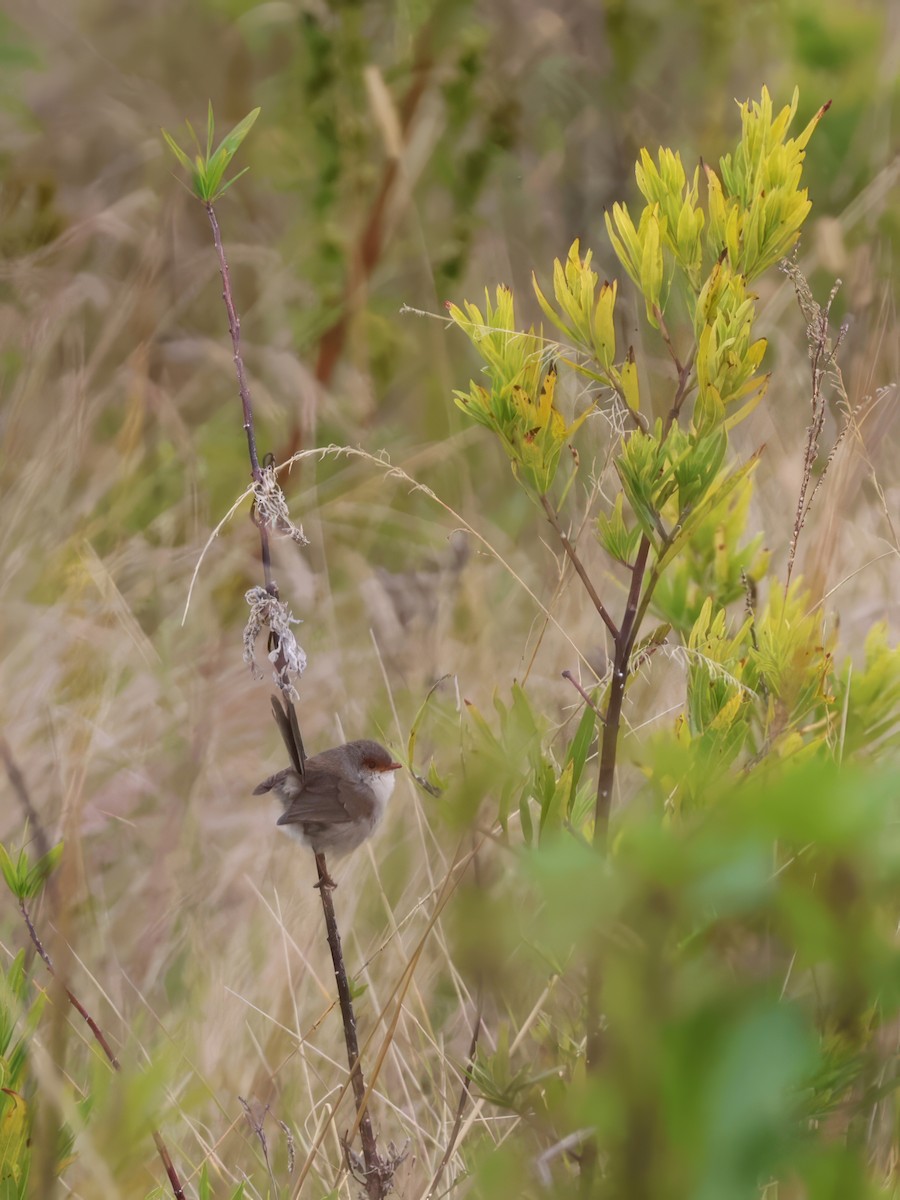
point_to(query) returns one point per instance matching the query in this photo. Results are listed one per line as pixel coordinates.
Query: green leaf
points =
(619, 542)
(225, 186)
(525, 818)
(10, 871)
(715, 497)
(651, 264)
(761, 1060)
(870, 697)
(232, 141)
(42, 869)
(179, 153)
(555, 807)
(580, 747)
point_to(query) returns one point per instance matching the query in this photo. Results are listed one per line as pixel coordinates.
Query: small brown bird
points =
(338, 798)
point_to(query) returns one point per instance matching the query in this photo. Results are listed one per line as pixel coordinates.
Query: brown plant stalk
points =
(17, 780)
(378, 1172)
(103, 1042)
(624, 636)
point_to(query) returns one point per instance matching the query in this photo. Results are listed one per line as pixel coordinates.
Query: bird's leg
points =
(325, 880)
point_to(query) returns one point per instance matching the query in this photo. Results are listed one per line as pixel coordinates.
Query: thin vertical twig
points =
(576, 562)
(234, 328)
(20, 787)
(585, 697)
(624, 644)
(823, 367)
(464, 1094)
(378, 1172)
(103, 1043)
(466, 1089)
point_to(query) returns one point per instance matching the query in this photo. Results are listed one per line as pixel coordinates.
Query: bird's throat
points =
(382, 784)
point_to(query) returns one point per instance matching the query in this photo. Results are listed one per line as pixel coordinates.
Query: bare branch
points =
(578, 565)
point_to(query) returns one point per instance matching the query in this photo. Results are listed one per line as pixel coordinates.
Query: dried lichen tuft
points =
(287, 656)
(272, 510)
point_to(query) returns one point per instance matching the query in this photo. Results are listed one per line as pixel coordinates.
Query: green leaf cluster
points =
(748, 968)
(24, 879)
(765, 687)
(512, 766)
(584, 316)
(757, 207)
(681, 498)
(675, 479)
(671, 221)
(717, 691)
(767, 693)
(715, 563)
(617, 537)
(869, 699)
(727, 357)
(769, 690)
(207, 168)
(519, 403)
(666, 473)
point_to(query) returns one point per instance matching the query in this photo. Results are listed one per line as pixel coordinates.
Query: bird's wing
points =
(319, 801)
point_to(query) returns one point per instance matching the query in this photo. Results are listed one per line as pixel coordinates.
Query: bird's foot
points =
(325, 880)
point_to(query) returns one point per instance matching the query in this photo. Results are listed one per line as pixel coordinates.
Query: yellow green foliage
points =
(757, 207)
(585, 317)
(519, 405)
(714, 562)
(727, 357)
(868, 700)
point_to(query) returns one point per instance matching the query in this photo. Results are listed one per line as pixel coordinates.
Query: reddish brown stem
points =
(19, 786)
(683, 387)
(378, 1172)
(234, 328)
(576, 562)
(626, 635)
(667, 338)
(100, 1038)
(624, 643)
(583, 694)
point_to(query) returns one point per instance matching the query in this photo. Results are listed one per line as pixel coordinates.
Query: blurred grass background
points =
(406, 154)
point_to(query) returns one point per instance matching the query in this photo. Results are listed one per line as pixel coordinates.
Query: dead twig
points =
(825, 371)
(103, 1043)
